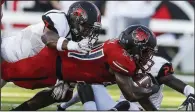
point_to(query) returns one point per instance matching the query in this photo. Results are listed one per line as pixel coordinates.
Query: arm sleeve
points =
(166, 69)
(56, 21)
(162, 67)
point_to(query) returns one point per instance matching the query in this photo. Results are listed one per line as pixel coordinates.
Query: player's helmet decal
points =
(80, 13)
(140, 36)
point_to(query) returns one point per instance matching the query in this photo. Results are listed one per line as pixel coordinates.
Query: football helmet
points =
(141, 44)
(85, 20)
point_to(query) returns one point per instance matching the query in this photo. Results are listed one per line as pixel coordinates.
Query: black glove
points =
(189, 103)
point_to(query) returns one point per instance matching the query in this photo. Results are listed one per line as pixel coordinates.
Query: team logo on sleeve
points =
(140, 36)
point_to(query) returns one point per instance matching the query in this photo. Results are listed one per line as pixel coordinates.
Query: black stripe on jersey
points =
(59, 68)
(28, 79)
(49, 23)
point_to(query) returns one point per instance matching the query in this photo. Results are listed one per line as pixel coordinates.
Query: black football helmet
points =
(141, 44)
(85, 20)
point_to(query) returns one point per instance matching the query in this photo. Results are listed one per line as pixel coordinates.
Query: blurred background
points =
(172, 22)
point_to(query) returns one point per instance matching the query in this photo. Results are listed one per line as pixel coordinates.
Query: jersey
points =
(93, 67)
(28, 43)
(161, 68)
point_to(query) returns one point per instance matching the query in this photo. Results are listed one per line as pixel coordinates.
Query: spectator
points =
(44, 6)
(125, 13)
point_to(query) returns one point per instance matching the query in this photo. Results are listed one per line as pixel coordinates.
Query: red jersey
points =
(91, 68)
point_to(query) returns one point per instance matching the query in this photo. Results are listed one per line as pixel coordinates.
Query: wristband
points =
(188, 89)
(59, 43)
(72, 45)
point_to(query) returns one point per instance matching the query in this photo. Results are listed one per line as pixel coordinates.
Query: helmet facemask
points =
(87, 31)
(82, 28)
(143, 57)
(145, 60)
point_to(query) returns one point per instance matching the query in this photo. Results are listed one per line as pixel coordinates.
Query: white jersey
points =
(27, 42)
(156, 98)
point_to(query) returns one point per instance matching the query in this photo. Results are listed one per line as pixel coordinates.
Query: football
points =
(142, 80)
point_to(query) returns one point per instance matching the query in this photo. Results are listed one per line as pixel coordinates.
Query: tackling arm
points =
(173, 82)
(50, 38)
(165, 76)
(56, 32)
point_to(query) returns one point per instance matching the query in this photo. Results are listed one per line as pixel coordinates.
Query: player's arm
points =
(135, 93)
(129, 90)
(56, 32)
(50, 39)
(165, 76)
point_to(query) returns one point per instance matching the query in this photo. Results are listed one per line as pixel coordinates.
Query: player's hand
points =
(189, 103)
(82, 46)
(59, 90)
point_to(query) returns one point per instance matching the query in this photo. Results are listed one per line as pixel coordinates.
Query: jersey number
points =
(168, 69)
(89, 56)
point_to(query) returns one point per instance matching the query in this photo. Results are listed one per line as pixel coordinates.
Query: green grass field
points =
(11, 96)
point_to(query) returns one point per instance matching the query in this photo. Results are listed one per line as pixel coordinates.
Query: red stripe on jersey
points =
(16, 25)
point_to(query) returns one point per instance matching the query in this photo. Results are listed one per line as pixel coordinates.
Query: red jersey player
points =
(115, 60)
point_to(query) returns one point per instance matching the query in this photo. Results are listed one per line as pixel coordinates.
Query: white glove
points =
(81, 46)
(59, 90)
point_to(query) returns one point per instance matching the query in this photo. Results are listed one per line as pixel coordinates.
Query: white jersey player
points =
(162, 71)
(72, 31)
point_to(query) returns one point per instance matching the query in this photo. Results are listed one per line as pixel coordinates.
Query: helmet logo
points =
(140, 36)
(79, 12)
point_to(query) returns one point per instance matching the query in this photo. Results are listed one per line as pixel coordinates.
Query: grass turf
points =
(11, 96)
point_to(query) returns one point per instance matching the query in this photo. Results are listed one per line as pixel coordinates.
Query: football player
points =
(134, 49)
(77, 30)
(163, 73)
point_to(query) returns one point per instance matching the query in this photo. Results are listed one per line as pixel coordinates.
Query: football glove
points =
(59, 90)
(189, 103)
(82, 46)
